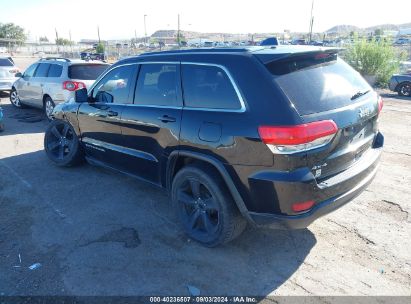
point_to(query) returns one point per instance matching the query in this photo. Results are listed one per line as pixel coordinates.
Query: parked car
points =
(50, 81)
(270, 41)
(39, 54)
(236, 136)
(401, 83)
(8, 73)
(92, 56)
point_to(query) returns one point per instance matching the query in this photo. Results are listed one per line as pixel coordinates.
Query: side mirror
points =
(18, 75)
(81, 95)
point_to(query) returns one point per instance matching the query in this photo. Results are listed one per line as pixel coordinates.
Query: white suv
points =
(50, 81)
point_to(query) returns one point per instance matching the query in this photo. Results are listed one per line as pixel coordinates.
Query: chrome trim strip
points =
(236, 89)
(120, 149)
(152, 106)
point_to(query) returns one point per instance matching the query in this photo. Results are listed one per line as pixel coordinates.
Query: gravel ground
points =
(96, 232)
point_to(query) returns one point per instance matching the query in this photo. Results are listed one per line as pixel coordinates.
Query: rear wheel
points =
(405, 89)
(48, 107)
(62, 144)
(205, 208)
(15, 99)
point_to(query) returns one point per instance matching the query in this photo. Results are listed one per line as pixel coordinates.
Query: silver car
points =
(50, 81)
(8, 73)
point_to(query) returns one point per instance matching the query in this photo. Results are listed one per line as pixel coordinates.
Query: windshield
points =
(86, 71)
(318, 86)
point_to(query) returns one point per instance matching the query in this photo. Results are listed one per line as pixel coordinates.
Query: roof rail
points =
(56, 58)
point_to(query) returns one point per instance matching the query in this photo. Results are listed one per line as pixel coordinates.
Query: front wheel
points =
(205, 207)
(405, 89)
(15, 99)
(62, 145)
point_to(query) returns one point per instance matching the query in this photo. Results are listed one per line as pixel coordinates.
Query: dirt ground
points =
(95, 232)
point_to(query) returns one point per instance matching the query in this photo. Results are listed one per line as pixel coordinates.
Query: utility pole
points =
(57, 41)
(71, 44)
(311, 21)
(98, 33)
(178, 30)
(145, 30)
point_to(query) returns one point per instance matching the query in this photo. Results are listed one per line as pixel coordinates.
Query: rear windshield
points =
(86, 71)
(5, 62)
(318, 83)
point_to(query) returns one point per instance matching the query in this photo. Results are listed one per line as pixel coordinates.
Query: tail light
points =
(73, 85)
(299, 138)
(298, 207)
(380, 104)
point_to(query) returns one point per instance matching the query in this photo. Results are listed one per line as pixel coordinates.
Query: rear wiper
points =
(359, 94)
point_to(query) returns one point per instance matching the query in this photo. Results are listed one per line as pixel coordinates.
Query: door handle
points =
(112, 113)
(166, 118)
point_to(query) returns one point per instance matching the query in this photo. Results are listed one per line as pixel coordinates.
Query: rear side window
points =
(55, 70)
(5, 62)
(157, 85)
(208, 87)
(86, 71)
(317, 86)
(42, 70)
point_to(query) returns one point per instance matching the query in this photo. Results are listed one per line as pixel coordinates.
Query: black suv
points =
(267, 136)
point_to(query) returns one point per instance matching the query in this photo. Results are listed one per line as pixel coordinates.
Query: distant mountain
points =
(343, 29)
(353, 28)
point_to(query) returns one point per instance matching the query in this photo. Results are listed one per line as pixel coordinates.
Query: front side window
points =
(55, 70)
(208, 87)
(30, 70)
(42, 70)
(157, 85)
(114, 87)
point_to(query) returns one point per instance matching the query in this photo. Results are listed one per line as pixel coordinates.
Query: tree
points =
(12, 31)
(63, 41)
(378, 32)
(43, 39)
(374, 58)
(100, 48)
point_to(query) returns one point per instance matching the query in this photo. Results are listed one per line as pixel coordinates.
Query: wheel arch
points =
(180, 158)
(45, 96)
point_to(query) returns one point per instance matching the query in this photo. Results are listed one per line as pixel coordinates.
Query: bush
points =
(374, 58)
(100, 48)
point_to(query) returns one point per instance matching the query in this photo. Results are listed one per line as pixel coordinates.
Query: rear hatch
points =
(321, 86)
(86, 73)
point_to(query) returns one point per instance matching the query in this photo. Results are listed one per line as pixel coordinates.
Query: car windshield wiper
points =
(359, 94)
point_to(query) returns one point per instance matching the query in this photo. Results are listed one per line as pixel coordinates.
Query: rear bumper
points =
(274, 193)
(304, 220)
(6, 86)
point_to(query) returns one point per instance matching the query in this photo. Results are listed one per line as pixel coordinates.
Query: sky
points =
(121, 19)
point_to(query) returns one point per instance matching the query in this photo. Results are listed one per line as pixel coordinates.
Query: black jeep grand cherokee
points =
(269, 136)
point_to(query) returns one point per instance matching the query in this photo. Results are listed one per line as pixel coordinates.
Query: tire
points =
(205, 207)
(15, 99)
(48, 107)
(405, 89)
(62, 145)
